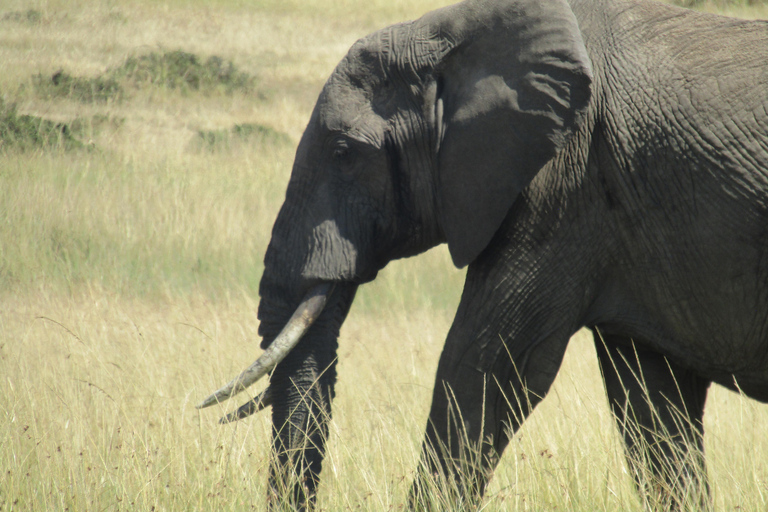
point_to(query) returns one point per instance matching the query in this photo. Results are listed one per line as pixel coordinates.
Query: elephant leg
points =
(658, 407)
(472, 417)
(500, 358)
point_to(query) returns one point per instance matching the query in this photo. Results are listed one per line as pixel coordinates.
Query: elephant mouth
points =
(308, 310)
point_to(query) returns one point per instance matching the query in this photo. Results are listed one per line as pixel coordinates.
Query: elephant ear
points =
(511, 89)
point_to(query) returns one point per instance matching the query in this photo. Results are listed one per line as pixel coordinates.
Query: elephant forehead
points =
(344, 108)
(340, 106)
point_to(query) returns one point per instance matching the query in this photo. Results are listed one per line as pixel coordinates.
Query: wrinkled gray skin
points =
(603, 164)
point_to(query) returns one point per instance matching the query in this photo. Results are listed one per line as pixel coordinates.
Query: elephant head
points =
(426, 132)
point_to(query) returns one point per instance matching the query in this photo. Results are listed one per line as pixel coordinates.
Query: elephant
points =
(594, 163)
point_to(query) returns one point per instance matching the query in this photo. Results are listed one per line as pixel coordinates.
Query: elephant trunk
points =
(302, 384)
(301, 390)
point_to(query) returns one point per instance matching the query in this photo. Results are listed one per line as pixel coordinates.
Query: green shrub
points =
(719, 3)
(85, 90)
(30, 16)
(177, 70)
(25, 132)
(181, 70)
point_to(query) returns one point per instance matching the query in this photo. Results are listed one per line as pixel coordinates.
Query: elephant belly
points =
(696, 292)
(740, 367)
(717, 327)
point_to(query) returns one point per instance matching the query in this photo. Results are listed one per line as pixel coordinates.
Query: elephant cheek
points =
(331, 255)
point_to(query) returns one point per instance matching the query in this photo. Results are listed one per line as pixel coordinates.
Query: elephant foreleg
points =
(502, 354)
(658, 407)
(473, 415)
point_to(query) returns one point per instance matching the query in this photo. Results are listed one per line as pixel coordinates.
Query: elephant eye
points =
(341, 151)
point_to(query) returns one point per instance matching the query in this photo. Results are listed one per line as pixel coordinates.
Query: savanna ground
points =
(144, 151)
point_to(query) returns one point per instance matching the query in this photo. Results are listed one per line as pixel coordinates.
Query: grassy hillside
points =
(144, 152)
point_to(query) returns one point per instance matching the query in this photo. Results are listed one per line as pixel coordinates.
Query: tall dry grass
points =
(129, 270)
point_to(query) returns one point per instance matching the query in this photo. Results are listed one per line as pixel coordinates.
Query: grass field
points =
(144, 151)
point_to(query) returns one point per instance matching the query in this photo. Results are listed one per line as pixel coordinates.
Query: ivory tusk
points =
(306, 313)
(253, 406)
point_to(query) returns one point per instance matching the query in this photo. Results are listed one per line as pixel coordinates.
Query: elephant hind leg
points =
(658, 407)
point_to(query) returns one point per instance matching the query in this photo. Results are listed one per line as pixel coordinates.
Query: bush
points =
(85, 90)
(30, 16)
(182, 70)
(24, 132)
(720, 3)
(172, 70)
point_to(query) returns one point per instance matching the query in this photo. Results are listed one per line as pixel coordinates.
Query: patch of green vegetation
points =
(177, 70)
(215, 140)
(85, 90)
(719, 3)
(25, 132)
(185, 71)
(30, 16)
